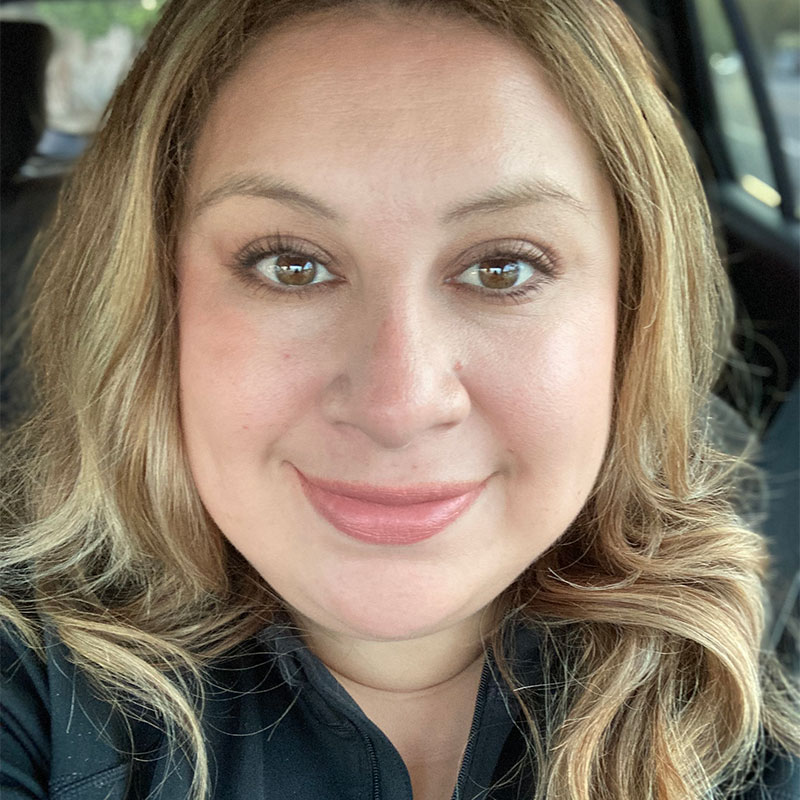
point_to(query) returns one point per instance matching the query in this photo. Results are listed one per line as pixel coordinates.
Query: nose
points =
(399, 379)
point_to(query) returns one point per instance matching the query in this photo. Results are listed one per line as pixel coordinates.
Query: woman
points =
(369, 457)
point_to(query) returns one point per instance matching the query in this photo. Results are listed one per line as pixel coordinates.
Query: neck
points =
(418, 667)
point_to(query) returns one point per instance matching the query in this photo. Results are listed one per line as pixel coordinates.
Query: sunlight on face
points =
(398, 287)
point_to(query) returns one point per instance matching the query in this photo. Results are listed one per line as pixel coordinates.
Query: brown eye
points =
(283, 268)
(498, 273)
(294, 271)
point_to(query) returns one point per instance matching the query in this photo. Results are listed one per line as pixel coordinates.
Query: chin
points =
(381, 611)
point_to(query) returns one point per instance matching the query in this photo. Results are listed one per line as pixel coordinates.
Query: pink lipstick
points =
(389, 515)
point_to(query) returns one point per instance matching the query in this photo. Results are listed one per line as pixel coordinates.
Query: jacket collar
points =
(301, 669)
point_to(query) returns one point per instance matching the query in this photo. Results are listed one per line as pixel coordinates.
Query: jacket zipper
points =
(473, 732)
(373, 763)
(473, 735)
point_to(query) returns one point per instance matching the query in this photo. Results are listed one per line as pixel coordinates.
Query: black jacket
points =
(277, 723)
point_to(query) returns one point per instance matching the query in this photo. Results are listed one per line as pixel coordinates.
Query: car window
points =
(771, 31)
(95, 42)
(775, 29)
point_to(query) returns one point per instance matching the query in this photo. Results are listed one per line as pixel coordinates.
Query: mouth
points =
(389, 515)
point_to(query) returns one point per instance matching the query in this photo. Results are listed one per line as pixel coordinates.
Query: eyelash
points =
(542, 259)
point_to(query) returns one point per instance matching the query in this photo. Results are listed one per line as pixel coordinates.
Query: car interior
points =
(732, 70)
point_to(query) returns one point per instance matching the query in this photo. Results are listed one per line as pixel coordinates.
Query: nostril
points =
(393, 413)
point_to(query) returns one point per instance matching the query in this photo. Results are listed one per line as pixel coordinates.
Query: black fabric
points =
(778, 457)
(24, 50)
(26, 206)
(25, 203)
(277, 724)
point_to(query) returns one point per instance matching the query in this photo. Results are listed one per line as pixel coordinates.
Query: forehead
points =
(409, 108)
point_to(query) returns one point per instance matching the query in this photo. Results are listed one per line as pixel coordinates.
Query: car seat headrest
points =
(24, 50)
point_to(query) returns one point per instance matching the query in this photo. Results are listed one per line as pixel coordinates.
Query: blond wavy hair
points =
(651, 605)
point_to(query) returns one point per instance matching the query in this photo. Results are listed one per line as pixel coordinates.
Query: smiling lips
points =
(381, 515)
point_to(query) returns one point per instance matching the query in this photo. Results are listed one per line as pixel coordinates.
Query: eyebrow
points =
(528, 191)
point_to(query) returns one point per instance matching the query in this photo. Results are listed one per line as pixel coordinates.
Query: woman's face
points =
(398, 285)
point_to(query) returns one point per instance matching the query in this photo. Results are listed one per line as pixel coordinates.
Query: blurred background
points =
(732, 69)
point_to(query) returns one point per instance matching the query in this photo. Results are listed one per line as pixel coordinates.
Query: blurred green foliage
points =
(769, 21)
(772, 21)
(93, 18)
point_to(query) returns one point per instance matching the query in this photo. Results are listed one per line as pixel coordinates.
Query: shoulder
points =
(62, 739)
(777, 778)
(58, 738)
(25, 707)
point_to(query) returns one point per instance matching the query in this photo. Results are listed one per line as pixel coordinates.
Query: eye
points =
(497, 273)
(292, 269)
(281, 264)
(511, 272)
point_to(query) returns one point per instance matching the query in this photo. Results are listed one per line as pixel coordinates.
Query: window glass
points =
(95, 42)
(775, 28)
(777, 42)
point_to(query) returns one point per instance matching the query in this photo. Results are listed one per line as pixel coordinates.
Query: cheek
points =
(550, 404)
(244, 378)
